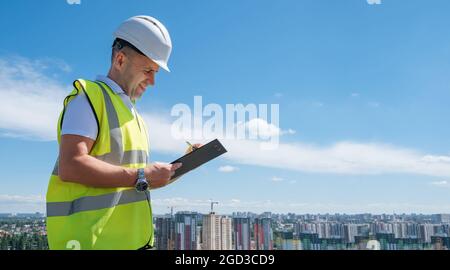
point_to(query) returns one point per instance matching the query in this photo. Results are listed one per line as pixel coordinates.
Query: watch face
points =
(141, 185)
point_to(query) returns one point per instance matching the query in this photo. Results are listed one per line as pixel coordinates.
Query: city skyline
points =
(187, 230)
(191, 231)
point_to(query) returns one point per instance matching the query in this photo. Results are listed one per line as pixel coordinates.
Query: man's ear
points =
(119, 60)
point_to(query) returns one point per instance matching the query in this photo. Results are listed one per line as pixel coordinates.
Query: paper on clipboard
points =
(198, 157)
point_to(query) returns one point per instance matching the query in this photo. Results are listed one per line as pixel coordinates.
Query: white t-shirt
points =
(79, 119)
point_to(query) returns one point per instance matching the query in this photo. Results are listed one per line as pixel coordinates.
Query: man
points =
(97, 196)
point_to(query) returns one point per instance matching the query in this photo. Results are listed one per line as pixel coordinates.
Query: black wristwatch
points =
(141, 181)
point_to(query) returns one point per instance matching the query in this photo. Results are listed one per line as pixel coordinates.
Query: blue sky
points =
(365, 87)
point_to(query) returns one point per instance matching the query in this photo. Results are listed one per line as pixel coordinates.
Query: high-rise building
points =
(425, 232)
(211, 232)
(164, 233)
(322, 229)
(400, 229)
(412, 230)
(441, 218)
(350, 231)
(325, 231)
(263, 233)
(226, 233)
(199, 237)
(337, 230)
(241, 233)
(186, 231)
(217, 233)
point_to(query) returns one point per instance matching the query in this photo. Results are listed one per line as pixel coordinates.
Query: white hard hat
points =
(149, 36)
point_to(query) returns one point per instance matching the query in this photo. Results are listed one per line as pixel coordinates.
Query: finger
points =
(176, 166)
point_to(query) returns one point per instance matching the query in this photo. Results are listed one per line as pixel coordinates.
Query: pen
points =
(193, 147)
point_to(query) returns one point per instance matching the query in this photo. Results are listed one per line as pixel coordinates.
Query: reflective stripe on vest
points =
(95, 202)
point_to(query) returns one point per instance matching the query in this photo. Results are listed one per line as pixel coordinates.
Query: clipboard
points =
(198, 157)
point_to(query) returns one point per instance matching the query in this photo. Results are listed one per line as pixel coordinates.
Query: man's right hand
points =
(160, 173)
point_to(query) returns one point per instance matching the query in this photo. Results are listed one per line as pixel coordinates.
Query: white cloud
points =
(436, 159)
(161, 205)
(31, 100)
(281, 179)
(49, 64)
(71, 2)
(261, 128)
(25, 86)
(179, 202)
(340, 158)
(258, 127)
(227, 169)
(442, 183)
(5, 198)
(277, 179)
(289, 131)
(22, 203)
(374, 2)
(354, 95)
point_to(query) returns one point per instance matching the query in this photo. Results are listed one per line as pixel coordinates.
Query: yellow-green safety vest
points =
(83, 217)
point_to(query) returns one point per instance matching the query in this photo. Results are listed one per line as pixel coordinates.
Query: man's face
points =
(137, 73)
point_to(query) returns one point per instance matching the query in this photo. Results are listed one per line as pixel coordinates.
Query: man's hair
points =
(119, 44)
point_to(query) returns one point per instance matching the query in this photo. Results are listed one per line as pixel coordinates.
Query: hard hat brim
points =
(161, 65)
